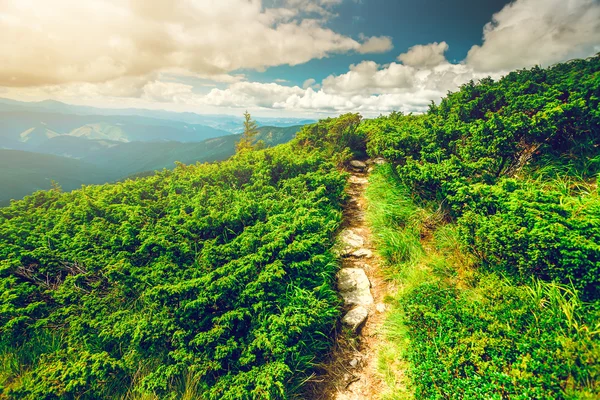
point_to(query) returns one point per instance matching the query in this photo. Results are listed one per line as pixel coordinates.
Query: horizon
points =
(279, 58)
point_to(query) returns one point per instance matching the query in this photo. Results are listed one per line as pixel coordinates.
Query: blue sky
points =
(305, 58)
(457, 22)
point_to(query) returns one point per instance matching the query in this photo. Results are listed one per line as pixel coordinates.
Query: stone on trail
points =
(359, 180)
(354, 287)
(360, 253)
(358, 165)
(356, 317)
(351, 241)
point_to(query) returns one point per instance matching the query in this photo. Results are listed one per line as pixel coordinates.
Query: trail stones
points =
(360, 253)
(358, 166)
(354, 287)
(351, 241)
(355, 318)
(358, 180)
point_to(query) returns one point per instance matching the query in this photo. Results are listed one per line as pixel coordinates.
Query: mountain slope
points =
(132, 158)
(17, 124)
(25, 172)
(103, 161)
(229, 123)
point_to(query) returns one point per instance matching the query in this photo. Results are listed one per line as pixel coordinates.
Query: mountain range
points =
(74, 145)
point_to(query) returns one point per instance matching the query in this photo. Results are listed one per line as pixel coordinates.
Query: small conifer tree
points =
(250, 131)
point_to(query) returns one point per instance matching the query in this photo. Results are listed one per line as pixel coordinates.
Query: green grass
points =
(455, 331)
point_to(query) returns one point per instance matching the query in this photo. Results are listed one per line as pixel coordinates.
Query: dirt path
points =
(351, 373)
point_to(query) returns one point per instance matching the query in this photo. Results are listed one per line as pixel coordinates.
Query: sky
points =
(293, 58)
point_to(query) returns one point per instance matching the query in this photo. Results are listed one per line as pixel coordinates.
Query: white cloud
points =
(192, 38)
(62, 41)
(530, 32)
(246, 94)
(166, 91)
(368, 78)
(381, 44)
(309, 83)
(428, 55)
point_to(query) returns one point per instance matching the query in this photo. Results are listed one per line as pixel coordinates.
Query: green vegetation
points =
(248, 137)
(488, 216)
(105, 161)
(214, 280)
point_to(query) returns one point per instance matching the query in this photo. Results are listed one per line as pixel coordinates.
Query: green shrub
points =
(519, 228)
(501, 341)
(217, 272)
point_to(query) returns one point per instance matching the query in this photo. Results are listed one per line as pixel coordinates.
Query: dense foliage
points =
(214, 279)
(461, 153)
(489, 214)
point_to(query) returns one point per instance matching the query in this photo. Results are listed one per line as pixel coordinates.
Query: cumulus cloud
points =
(309, 83)
(244, 94)
(428, 55)
(212, 38)
(368, 78)
(61, 41)
(374, 44)
(529, 32)
(166, 91)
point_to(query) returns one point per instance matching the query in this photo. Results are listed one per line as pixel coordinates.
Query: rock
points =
(354, 363)
(360, 253)
(359, 180)
(351, 241)
(355, 318)
(358, 165)
(380, 307)
(379, 161)
(354, 287)
(371, 169)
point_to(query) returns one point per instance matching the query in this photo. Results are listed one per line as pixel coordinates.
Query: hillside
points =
(25, 172)
(218, 280)
(100, 161)
(228, 123)
(23, 129)
(488, 217)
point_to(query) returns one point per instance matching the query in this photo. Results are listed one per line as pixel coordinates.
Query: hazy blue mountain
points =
(229, 123)
(22, 173)
(23, 129)
(73, 146)
(98, 161)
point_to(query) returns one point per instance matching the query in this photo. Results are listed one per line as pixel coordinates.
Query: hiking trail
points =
(350, 373)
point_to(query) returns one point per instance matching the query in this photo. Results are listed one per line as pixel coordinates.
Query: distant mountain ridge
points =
(21, 129)
(229, 123)
(72, 161)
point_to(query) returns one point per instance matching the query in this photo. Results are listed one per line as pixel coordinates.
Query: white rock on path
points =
(354, 287)
(358, 165)
(356, 317)
(351, 241)
(366, 253)
(358, 179)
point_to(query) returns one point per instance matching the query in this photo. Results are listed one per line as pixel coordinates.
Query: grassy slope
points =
(463, 332)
